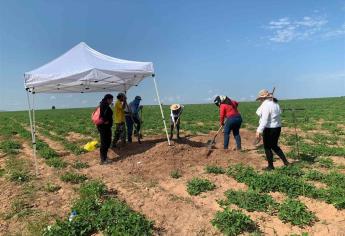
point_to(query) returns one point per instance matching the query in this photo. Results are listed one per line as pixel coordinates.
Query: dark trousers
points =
(270, 139)
(232, 124)
(105, 136)
(130, 121)
(172, 127)
(119, 133)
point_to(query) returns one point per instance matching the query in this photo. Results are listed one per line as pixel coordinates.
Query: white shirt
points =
(269, 113)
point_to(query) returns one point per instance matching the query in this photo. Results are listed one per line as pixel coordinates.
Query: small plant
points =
(296, 213)
(73, 178)
(233, 222)
(56, 162)
(326, 162)
(92, 189)
(80, 165)
(50, 187)
(10, 146)
(19, 176)
(250, 200)
(197, 186)
(2, 172)
(214, 170)
(176, 174)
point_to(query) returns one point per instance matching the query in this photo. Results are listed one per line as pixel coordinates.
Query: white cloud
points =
(52, 97)
(285, 30)
(335, 33)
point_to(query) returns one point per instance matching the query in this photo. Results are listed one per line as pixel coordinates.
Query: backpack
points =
(96, 117)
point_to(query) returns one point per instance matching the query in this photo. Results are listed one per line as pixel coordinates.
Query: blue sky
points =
(199, 48)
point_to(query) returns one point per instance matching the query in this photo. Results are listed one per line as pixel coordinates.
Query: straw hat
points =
(175, 107)
(264, 94)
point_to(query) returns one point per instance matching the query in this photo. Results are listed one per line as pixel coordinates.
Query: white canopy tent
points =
(84, 70)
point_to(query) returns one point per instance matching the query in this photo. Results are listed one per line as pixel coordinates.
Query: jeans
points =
(130, 123)
(270, 139)
(232, 124)
(105, 136)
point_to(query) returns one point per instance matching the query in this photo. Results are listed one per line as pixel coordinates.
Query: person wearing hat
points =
(175, 119)
(119, 119)
(104, 129)
(269, 126)
(132, 117)
(230, 119)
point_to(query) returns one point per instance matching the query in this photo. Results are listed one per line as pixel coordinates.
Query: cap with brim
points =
(137, 98)
(175, 107)
(264, 94)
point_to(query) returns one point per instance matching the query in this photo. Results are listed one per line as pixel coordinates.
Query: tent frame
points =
(32, 119)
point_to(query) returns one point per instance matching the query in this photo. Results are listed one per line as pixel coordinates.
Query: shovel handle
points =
(220, 128)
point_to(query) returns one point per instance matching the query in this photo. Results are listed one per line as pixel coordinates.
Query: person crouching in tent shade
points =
(175, 119)
(105, 128)
(269, 126)
(132, 117)
(119, 119)
(228, 109)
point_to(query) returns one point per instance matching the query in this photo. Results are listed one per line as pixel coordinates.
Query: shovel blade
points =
(210, 143)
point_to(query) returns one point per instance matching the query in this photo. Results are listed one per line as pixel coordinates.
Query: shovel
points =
(212, 142)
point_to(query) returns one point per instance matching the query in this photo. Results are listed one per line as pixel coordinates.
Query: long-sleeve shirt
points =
(228, 111)
(119, 113)
(269, 113)
(106, 113)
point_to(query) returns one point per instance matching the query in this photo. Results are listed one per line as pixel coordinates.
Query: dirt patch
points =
(140, 174)
(76, 137)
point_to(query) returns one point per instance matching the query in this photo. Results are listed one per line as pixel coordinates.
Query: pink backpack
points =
(96, 117)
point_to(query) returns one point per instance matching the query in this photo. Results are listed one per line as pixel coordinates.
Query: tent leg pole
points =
(160, 105)
(32, 133)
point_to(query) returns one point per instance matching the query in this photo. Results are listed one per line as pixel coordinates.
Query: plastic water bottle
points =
(73, 214)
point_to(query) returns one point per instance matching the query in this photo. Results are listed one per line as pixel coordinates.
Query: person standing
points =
(133, 118)
(119, 119)
(228, 110)
(269, 126)
(175, 119)
(104, 129)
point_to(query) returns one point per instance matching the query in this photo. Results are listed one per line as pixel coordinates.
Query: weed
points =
(296, 213)
(80, 165)
(73, 178)
(214, 169)
(176, 174)
(233, 222)
(10, 146)
(51, 187)
(326, 162)
(19, 176)
(56, 162)
(197, 186)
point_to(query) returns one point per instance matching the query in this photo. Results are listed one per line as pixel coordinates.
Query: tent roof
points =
(83, 69)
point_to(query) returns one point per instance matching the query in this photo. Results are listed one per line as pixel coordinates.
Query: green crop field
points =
(318, 172)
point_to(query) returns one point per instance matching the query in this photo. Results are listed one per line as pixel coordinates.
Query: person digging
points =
(269, 127)
(230, 119)
(133, 118)
(175, 119)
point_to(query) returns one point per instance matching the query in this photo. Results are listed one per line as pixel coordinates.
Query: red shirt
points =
(227, 111)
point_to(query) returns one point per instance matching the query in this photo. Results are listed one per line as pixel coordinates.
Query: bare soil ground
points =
(140, 174)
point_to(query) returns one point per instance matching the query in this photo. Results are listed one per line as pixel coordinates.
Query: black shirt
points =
(106, 113)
